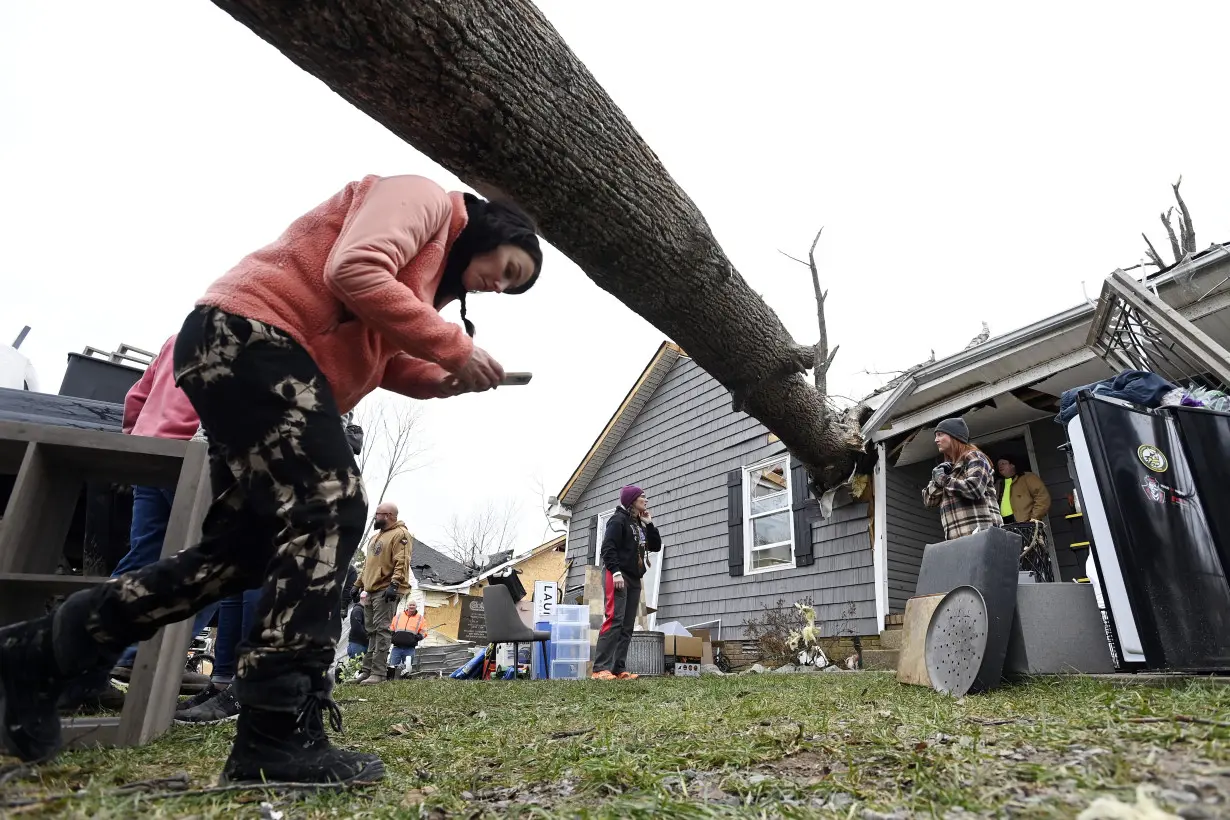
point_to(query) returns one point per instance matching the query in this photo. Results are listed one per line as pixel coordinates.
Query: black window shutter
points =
(594, 557)
(804, 510)
(734, 520)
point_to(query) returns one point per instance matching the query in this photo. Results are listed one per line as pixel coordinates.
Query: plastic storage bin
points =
(570, 650)
(568, 670)
(569, 632)
(571, 615)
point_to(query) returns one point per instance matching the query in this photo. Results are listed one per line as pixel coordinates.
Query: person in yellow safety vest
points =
(409, 627)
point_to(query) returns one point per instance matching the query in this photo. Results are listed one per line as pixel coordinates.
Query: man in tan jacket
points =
(382, 581)
(1022, 496)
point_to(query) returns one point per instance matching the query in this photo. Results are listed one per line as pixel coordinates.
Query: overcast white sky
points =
(969, 162)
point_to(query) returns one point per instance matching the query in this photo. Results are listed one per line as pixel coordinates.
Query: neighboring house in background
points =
(739, 528)
(442, 585)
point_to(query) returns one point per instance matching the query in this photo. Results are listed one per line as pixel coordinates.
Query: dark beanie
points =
(957, 428)
(628, 495)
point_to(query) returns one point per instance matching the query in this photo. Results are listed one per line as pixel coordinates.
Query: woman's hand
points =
(481, 372)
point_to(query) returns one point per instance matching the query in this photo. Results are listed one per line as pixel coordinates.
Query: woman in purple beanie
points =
(629, 538)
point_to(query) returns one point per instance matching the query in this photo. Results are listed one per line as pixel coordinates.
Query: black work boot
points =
(38, 660)
(287, 748)
(30, 687)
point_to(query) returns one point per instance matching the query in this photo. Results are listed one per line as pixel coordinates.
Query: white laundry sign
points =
(545, 593)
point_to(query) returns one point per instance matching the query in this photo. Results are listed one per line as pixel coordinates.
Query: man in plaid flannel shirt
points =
(963, 487)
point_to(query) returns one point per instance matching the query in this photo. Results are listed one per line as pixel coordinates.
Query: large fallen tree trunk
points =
(489, 89)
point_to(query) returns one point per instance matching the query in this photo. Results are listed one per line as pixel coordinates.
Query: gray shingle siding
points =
(910, 527)
(680, 449)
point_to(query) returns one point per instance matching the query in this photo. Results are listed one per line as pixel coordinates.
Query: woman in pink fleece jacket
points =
(345, 301)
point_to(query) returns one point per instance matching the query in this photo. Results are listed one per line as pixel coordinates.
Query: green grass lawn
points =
(840, 744)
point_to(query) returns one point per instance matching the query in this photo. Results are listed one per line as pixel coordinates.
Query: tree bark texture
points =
(489, 89)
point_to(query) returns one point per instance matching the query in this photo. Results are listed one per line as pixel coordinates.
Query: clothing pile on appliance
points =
(1145, 389)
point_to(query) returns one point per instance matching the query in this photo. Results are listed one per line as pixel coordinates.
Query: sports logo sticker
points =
(1152, 458)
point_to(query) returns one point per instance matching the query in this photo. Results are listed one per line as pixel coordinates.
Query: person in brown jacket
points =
(1022, 496)
(383, 580)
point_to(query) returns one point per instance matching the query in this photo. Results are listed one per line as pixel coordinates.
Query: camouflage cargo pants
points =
(289, 510)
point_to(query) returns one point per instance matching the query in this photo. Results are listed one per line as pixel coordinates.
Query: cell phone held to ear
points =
(516, 379)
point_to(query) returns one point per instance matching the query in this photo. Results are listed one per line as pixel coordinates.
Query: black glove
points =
(390, 593)
(941, 472)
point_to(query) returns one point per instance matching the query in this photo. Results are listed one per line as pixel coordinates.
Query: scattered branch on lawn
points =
(1181, 719)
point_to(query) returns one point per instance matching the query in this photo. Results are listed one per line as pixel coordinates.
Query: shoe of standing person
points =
(206, 694)
(603, 675)
(218, 709)
(372, 680)
(627, 676)
(286, 747)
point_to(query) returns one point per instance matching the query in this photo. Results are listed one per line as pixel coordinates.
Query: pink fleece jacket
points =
(354, 281)
(155, 406)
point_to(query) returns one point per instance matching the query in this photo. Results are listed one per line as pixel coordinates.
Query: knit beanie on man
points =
(628, 495)
(957, 428)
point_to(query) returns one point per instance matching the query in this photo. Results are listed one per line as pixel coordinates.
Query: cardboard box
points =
(690, 648)
(706, 652)
(687, 670)
(668, 645)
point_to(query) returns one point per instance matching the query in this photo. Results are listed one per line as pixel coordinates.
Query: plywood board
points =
(912, 665)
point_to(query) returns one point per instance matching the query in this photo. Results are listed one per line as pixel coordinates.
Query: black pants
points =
(288, 512)
(616, 634)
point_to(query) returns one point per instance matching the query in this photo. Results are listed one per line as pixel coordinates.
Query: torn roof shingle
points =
(434, 567)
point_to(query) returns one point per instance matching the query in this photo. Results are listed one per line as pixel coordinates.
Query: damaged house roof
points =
(434, 567)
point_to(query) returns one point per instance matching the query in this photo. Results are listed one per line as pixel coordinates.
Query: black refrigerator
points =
(1160, 502)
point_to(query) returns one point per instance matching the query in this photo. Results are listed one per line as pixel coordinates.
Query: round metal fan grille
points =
(957, 641)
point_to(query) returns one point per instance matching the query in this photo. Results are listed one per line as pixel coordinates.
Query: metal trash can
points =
(647, 654)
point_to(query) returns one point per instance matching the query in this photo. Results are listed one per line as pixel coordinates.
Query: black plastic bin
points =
(91, 378)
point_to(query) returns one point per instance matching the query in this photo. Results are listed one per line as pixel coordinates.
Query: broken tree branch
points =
(792, 258)
(1175, 247)
(1152, 252)
(1187, 232)
(488, 89)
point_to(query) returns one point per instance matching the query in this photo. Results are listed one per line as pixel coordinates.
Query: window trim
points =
(749, 535)
(598, 534)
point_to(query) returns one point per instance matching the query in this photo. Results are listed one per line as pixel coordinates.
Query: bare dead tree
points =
(489, 89)
(476, 536)
(1182, 243)
(393, 443)
(824, 359)
(552, 526)
(369, 415)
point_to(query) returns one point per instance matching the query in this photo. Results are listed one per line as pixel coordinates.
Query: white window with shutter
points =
(768, 528)
(599, 532)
